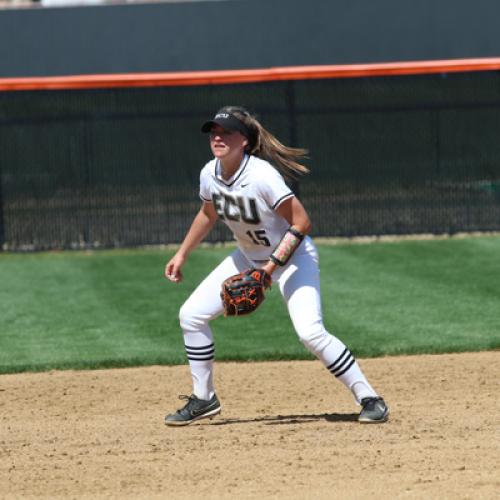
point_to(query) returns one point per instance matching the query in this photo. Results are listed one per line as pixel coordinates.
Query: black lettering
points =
(217, 199)
(230, 208)
(248, 210)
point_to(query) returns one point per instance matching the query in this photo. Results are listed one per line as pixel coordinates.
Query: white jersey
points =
(247, 204)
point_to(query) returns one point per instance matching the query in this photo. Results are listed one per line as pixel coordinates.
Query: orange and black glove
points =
(244, 292)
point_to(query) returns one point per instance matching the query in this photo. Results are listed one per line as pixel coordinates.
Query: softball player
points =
(244, 187)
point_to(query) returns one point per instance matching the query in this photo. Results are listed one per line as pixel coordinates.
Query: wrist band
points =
(288, 244)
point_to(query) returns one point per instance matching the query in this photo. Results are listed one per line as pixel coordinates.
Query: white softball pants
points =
(299, 284)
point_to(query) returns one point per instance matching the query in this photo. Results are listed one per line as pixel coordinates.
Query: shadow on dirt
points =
(290, 419)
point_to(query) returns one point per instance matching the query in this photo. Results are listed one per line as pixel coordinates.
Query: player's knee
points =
(189, 319)
(313, 336)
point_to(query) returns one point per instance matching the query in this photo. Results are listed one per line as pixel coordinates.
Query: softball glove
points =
(244, 292)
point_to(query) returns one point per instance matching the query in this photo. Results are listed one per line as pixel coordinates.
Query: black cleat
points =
(374, 411)
(194, 409)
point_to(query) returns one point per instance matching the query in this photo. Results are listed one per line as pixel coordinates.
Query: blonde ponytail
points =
(265, 145)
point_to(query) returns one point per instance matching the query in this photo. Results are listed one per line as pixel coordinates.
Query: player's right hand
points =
(173, 268)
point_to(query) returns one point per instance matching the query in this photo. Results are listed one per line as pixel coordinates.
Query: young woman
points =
(244, 187)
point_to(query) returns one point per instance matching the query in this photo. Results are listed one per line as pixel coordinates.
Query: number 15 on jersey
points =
(259, 237)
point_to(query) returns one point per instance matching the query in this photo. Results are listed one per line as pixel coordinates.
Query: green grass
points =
(114, 308)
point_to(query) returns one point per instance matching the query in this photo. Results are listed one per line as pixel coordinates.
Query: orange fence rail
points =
(247, 75)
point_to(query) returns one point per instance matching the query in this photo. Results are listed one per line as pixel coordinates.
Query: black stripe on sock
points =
(201, 353)
(207, 358)
(208, 350)
(332, 366)
(191, 348)
(341, 365)
(196, 354)
(345, 369)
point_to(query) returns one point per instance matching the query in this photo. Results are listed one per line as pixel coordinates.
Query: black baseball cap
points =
(228, 121)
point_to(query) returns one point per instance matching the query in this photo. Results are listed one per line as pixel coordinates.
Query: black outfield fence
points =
(120, 167)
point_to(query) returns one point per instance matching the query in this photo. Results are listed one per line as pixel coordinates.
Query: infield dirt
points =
(287, 430)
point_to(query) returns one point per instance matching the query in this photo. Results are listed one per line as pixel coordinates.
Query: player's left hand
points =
(244, 292)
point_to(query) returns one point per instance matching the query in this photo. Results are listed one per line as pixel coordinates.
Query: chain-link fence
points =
(120, 167)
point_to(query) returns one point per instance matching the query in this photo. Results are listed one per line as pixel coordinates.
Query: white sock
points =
(362, 390)
(201, 362)
(341, 363)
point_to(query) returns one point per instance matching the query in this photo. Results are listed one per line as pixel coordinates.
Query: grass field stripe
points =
(35, 334)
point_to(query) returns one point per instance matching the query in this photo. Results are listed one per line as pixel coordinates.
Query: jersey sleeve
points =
(274, 189)
(205, 193)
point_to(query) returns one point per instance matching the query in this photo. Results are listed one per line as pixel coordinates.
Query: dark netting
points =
(120, 167)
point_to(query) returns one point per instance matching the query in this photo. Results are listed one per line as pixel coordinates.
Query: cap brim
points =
(207, 126)
(229, 123)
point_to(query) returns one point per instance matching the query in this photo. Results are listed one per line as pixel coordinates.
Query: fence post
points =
(292, 125)
(2, 230)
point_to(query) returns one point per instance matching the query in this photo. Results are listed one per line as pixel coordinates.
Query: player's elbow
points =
(304, 225)
(307, 226)
(300, 217)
